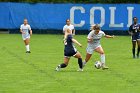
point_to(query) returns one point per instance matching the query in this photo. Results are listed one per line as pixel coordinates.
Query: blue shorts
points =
(136, 36)
(70, 52)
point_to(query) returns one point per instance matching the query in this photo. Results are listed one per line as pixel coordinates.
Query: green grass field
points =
(34, 73)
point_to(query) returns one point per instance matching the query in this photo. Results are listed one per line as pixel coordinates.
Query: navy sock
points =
(138, 51)
(133, 51)
(63, 65)
(80, 63)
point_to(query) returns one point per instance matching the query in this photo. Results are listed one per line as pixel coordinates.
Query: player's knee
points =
(79, 56)
(102, 53)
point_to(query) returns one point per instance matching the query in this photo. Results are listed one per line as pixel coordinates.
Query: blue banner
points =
(53, 16)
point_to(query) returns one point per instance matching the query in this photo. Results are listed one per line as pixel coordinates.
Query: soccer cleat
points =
(104, 67)
(58, 68)
(28, 52)
(80, 70)
(84, 64)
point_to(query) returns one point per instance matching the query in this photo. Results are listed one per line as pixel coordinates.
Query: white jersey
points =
(96, 41)
(96, 38)
(25, 28)
(71, 27)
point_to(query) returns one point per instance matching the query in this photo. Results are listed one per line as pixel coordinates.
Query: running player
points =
(94, 45)
(24, 29)
(134, 31)
(69, 51)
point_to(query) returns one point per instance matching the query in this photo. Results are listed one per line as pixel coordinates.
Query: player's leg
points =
(138, 50)
(27, 41)
(102, 56)
(63, 65)
(134, 38)
(78, 55)
(88, 55)
(133, 48)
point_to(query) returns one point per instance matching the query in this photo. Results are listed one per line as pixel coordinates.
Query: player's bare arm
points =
(22, 31)
(109, 36)
(31, 32)
(75, 41)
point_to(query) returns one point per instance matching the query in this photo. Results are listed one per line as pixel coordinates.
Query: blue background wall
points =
(53, 16)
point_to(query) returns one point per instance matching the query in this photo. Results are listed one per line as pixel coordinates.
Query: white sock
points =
(103, 59)
(27, 48)
(84, 62)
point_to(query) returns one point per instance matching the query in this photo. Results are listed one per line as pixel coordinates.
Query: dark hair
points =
(134, 18)
(67, 20)
(97, 27)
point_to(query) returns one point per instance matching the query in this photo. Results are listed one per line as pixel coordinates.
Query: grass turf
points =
(34, 73)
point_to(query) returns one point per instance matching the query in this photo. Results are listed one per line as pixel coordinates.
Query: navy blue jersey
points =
(70, 49)
(69, 43)
(134, 28)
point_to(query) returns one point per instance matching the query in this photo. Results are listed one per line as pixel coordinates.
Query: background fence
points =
(49, 17)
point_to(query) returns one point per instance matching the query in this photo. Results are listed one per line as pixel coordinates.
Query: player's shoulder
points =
(65, 25)
(28, 25)
(71, 25)
(22, 25)
(131, 25)
(91, 32)
(101, 31)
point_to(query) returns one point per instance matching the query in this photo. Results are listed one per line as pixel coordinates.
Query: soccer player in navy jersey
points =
(70, 51)
(134, 31)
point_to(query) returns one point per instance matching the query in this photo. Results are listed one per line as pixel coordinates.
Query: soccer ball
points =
(98, 64)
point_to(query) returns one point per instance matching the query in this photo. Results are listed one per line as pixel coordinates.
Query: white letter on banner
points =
(72, 15)
(112, 19)
(130, 14)
(102, 21)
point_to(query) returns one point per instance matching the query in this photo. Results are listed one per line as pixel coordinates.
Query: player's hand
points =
(80, 45)
(90, 40)
(23, 32)
(113, 36)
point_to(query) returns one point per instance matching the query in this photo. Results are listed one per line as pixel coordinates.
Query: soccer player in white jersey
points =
(25, 29)
(68, 26)
(94, 45)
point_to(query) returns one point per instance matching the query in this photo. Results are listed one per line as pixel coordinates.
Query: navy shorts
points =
(136, 37)
(70, 52)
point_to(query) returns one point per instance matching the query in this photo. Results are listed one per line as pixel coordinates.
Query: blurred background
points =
(75, 1)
